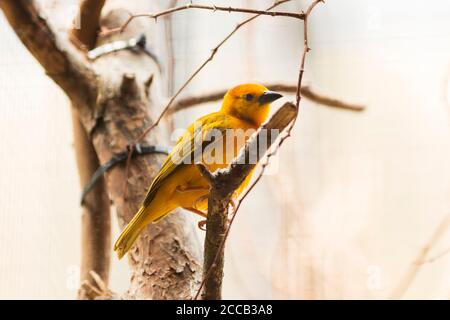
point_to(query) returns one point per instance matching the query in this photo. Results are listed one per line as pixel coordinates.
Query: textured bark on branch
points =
(165, 262)
(223, 185)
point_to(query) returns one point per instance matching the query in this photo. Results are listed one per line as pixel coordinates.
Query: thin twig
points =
(306, 92)
(310, 94)
(214, 9)
(437, 256)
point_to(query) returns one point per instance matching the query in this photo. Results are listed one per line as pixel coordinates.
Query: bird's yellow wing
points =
(187, 149)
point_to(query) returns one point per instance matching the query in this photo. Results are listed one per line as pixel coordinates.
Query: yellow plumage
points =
(179, 184)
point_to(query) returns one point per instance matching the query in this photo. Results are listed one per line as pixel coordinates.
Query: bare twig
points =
(437, 256)
(415, 266)
(306, 92)
(223, 185)
(212, 271)
(214, 9)
(305, 49)
(310, 94)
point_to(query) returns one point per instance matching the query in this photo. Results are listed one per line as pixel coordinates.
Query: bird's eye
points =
(249, 97)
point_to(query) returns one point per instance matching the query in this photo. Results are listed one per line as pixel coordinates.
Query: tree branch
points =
(310, 94)
(223, 184)
(214, 9)
(86, 33)
(306, 92)
(96, 219)
(165, 261)
(69, 70)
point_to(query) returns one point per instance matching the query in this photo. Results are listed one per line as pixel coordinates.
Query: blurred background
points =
(349, 203)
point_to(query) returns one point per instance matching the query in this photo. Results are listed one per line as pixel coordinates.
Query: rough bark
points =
(165, 262)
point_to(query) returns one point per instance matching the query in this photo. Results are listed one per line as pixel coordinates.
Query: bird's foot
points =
(202, 225)
(199, 200)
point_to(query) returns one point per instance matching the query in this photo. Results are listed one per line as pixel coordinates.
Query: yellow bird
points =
(179, 184)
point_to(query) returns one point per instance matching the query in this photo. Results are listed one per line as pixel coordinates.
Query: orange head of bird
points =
(249, 102)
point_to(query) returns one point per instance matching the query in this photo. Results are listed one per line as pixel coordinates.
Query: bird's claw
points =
(202, 225)
(202, 198)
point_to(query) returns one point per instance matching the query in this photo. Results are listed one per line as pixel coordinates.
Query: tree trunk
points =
(165, 262)
(114, 107)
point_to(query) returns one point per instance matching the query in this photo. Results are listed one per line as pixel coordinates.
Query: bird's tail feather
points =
(129, 235)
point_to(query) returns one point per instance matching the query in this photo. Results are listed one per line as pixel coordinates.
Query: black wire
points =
(119, 158)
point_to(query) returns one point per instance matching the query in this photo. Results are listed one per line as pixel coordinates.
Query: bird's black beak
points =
(268, 97)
